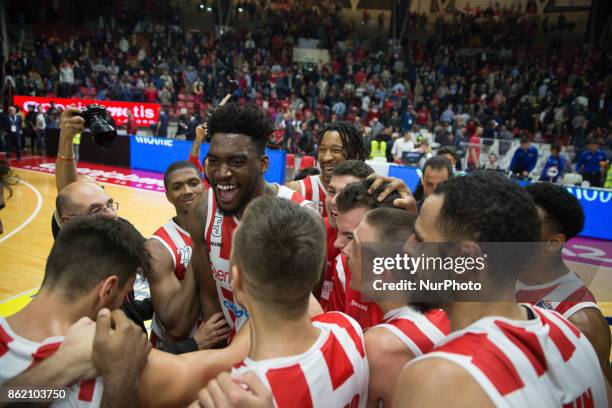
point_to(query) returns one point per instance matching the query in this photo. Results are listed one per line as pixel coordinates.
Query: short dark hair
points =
(487, 207)
(352, 140)
(391, 224)
(305, 172)
(356, 195)
(179, 165)
(563, 210)
(90, 249)
(281, 247)
(439, 163)
(447, 150)
(248, 120)
(355, 168)
(524, 139)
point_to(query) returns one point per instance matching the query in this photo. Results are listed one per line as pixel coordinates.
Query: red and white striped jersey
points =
(218, 239)
(566, 295)
(179, 244)
(541, 362)
(334, 372)
(311, 188)
(420, 332)
(344, 299)
(18, 354)
(332, 253)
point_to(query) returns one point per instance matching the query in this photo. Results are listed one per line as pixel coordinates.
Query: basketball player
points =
(500, 353)
(110, 251)
(173, 286)
(407, 331)
(349, 171)
(352, 203)
(235, 165)
(340, 141)
(549, 283)
(304, 362)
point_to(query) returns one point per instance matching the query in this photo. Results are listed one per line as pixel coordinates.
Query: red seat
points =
(307, 161)
(290, 160)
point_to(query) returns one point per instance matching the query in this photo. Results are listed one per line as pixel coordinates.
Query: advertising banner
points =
(145, 114)
(157, 153)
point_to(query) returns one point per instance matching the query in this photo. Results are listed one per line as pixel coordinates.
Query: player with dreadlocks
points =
(339, 141)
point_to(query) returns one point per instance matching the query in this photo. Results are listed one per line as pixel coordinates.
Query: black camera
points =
(104, 133)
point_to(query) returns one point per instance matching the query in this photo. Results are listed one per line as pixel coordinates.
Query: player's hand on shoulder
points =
(120, 346)
(246, 391)
(77, 347)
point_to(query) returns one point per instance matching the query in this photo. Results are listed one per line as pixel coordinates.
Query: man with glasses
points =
(80, 195)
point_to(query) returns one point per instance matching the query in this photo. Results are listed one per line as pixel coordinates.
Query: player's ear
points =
(265, 163)
(108, 289)
(236, 277)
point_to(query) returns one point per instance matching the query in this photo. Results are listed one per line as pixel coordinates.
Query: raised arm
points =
(65, 167)
(194, 154)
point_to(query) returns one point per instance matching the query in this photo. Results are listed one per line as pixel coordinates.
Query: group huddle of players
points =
(264, 281)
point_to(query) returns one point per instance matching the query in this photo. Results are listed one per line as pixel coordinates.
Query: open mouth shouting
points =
(226, 193)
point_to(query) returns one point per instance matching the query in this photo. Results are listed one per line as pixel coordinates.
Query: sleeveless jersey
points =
(311, 188)
(420, 332)
(542, 362)
(179, 244)
(18, 354)
(218, 239)
(334, 372)
(332, 253)
(566, 295)
(346, 300)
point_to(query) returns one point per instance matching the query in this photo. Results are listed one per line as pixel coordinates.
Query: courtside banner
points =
(145, 114)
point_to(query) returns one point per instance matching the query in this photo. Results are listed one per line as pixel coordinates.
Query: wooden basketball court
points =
(27, 238)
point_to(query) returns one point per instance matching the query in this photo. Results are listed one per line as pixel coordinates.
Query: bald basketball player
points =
(499, 353)
(407, 330)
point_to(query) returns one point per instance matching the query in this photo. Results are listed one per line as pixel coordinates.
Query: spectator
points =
(591, 163)
(555, 165)
(14, 133)
(473, 161)
(131, 127)
(402, 145)
(161, 127)
(492, 164)
(40, 139)
(524, 159)
(436, 170)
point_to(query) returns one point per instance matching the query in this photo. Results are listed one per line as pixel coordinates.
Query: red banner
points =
(145, 114)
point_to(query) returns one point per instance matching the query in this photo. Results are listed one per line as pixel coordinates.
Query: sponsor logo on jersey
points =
(237, 311)
(185, 254)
